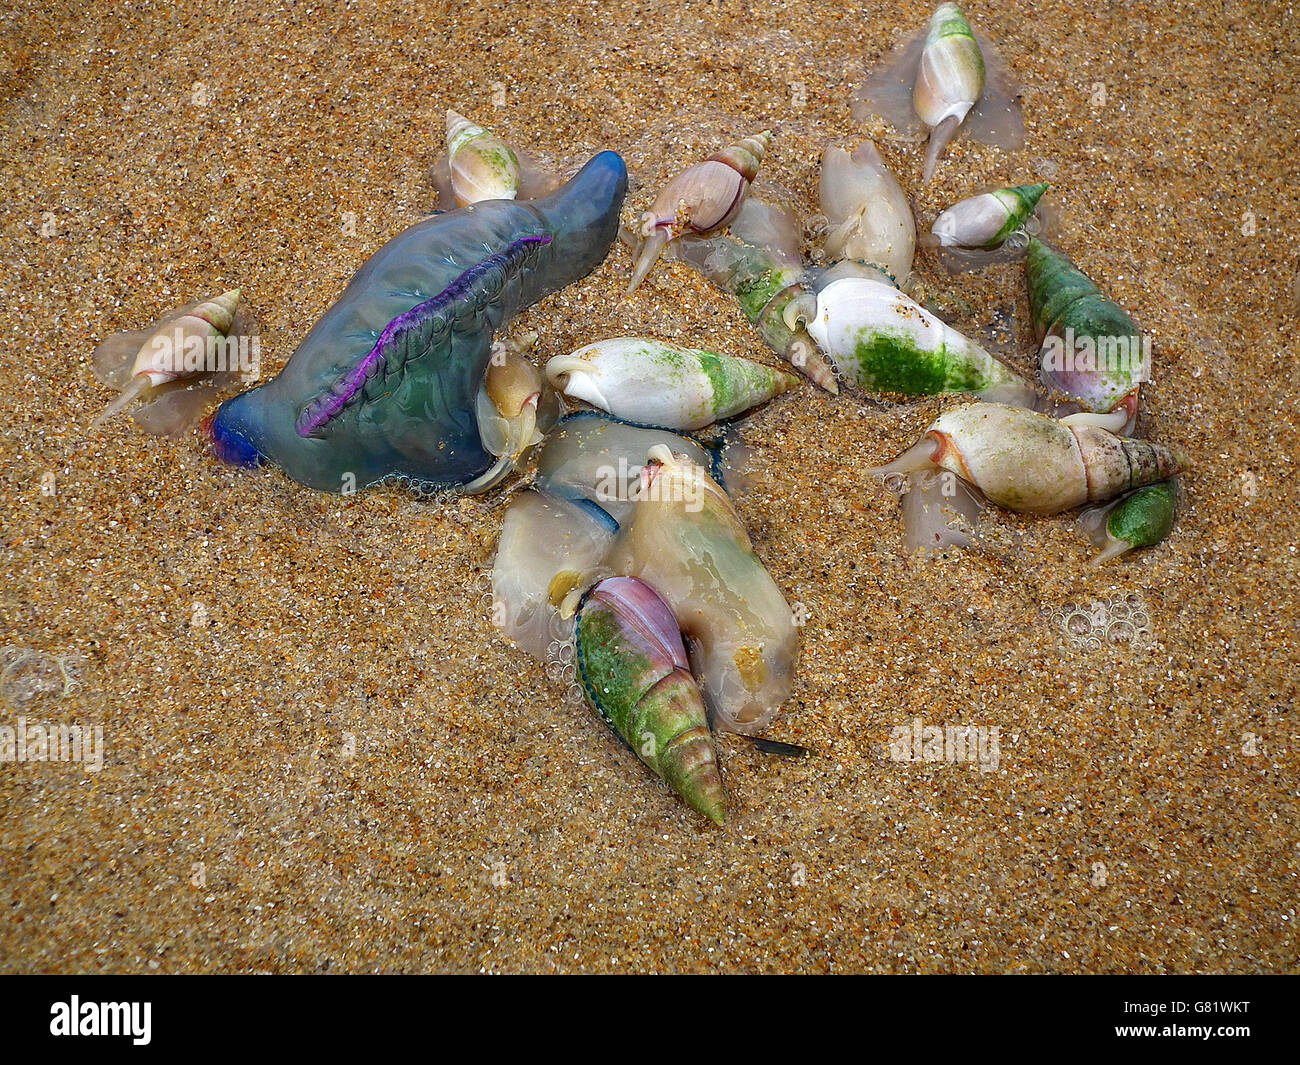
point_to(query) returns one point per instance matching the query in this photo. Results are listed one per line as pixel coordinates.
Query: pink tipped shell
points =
(649, 626)
(704, 198)
(708, 195)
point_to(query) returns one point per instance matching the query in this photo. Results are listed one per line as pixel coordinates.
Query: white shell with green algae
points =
(881, 340)
(654, 382)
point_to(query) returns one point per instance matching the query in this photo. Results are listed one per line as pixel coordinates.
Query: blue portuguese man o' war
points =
(387, 384)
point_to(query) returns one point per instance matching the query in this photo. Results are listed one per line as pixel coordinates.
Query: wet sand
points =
(320, 756)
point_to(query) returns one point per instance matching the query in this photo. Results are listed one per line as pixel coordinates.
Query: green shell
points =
(633, 668)
(1020, 200)
(1109, 353)
(1061, 295)
(1145, 517)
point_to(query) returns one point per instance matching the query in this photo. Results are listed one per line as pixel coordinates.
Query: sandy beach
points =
(318, 753)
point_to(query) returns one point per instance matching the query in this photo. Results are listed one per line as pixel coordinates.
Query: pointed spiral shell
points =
(707, 196)
(162, 356)
(632, 665)
(1091, 350)
(654, 382)
(950, 77)
(1032, 463)
(989, 219)
(702, 199)
(483, 167)
(746, 156)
